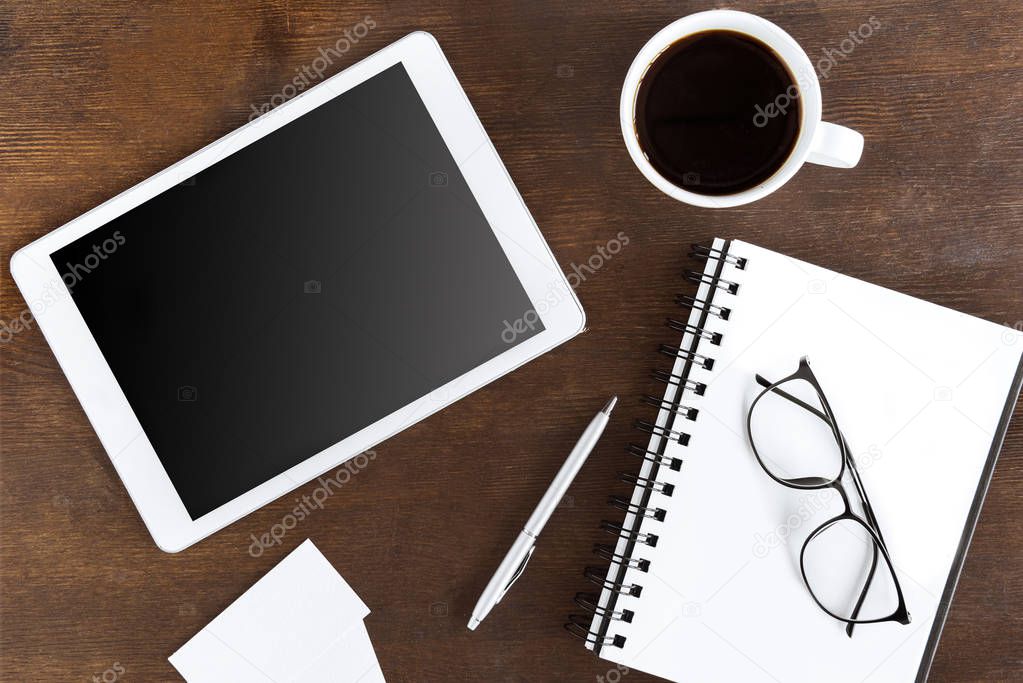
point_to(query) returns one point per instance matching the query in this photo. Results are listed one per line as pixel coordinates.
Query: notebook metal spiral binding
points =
(598, 576)
(687, 301)
(703, 278)
(633, 536)
(606, 552)
(699, 251)
(592, 627)
(625, 504)
(713, 337)
(688, 412)
(687, 384)
(706, 361)
(663, 432)
(579, 625)
(590, 603)
(674, 464)
(661, 487)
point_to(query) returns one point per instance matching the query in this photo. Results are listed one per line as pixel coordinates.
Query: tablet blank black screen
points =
(296, 291)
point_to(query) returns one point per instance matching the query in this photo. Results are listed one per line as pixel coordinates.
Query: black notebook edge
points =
(945, 604)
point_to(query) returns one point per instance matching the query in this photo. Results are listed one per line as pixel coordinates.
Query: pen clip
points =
(518, 572)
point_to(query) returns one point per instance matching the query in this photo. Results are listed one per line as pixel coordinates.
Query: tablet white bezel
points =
(105, 404)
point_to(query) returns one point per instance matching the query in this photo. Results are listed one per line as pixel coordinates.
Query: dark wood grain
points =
(100, 95)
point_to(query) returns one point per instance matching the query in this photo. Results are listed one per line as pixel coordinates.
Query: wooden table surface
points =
(100, 96)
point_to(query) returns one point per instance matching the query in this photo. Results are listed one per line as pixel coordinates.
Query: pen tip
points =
(473, 623)
(610, 405)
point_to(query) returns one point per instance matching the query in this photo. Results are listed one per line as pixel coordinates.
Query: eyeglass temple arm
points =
(872, 520)
(863, 593)
(862, 491)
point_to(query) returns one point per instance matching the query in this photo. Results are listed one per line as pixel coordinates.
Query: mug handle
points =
(835, 146)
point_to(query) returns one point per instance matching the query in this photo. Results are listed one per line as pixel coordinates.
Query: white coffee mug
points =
(818, 142)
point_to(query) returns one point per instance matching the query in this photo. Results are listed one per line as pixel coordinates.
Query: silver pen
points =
(514, 562)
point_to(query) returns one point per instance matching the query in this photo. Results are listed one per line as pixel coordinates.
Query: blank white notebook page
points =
(918, 391)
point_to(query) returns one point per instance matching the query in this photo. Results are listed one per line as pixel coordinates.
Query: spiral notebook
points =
(702, 581)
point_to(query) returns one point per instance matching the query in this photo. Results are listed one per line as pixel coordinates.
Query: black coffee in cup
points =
(717, 112)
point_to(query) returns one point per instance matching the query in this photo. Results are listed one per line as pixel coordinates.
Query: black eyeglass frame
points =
(868, 521)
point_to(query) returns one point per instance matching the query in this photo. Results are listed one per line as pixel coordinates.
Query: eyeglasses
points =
(796, 439)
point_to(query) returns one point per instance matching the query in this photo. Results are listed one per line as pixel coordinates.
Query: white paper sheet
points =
(300, 623)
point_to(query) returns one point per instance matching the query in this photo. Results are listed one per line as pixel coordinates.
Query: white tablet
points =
(296, 292)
